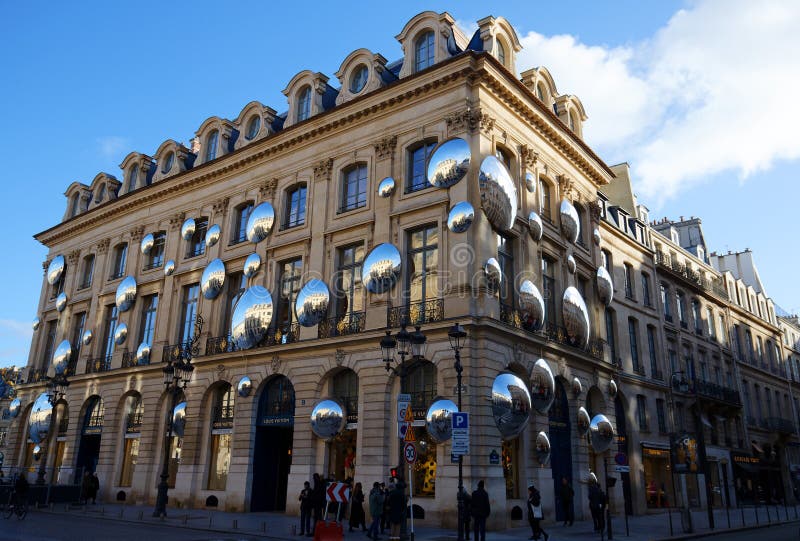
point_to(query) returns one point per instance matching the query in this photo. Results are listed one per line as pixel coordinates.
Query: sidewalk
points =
(280, 526)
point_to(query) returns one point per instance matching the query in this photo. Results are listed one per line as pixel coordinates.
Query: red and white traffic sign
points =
(410, 453)
(338, 492)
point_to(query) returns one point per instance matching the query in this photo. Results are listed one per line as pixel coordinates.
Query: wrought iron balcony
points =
(220, 344)
(222, 417)
(713, 391)
(715, 287)
(128, 358)
(100, 364)
(416, 313)
(284, 333)
(174, 352)
(352, 323)
(36, 375)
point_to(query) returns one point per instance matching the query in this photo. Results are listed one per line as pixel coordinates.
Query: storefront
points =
(745, 476)
(657, 475)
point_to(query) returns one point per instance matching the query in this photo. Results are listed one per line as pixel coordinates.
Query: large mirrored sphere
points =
(87, 336)
(577, 386)
(37, 452)
(36, 323)
(251, 265)
(601, 433)
(120, 334)
(542, 448)
(386, 187)
(56, 269)
(530, 182)
(511, 405)
(245, 387)
(596, 236)
(494, 275)
(39, 421)
(531, 305)
(212, 235)
(576, 316)
(143, 354)
(605, 287)
(179, 420)
(260, 222)
(251, 317)
(147, 243)
(498, 194)
(169, 267)
(327, 418)
(449, 163)
(461, 217)
(213, 279)
(62, 356)
(612, 388)
(438, 419)
(126, 294)
(583, 421)
(187, 229)
(535, 226)
(543, 386)
(571, 265)
(570, 222)
(14, 408)
(311, 304)
(61, 301)
(381, 268)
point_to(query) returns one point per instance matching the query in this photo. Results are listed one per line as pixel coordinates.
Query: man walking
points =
(480, 512)
(375, 510)
(566, 494)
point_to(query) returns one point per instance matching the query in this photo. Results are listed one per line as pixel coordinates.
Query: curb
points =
(717, 532)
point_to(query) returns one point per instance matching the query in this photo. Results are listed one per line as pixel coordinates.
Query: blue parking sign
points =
(460, 420)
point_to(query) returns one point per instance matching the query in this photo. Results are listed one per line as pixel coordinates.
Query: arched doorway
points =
(342, 451)
(91, 430)
(622, 447)
(272, 453)
(560, 444)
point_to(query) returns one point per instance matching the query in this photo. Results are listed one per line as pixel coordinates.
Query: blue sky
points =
(690, 93)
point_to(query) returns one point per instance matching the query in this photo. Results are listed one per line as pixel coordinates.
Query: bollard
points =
(235, 524)
(102, 511)
(141, 515)
(121, 512)
(293, 529)
(185, 519)
(52, 506)
(263, 526)
(210, 517)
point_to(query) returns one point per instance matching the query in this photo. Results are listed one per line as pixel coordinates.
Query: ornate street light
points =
(458, 337)
(56, 390)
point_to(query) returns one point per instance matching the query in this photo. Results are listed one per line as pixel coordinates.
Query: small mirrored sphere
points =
(535, 226)
(498, 194)
(542, 448)
(449, 163)
(381, 268)
(143, 354)
(531, 305)
(87, 336)
(327, 418)
(260, 222)
(601, 433)
(188, 228)
(530, 182)
(583, 421)
(251, 317)
(511, 405)
(212, 235)
(179, 420)
(213, 279)
(169, 267)
(612, 388)
(14, 408)
(62, 356)
(605, 287)
(386, 187)
(438, 419)
(126, 293)
(576, 316)
(577, 386)
(61, 301)
(311, 304)
(35, 324)
(147, 243)
(570, 222)
(120, 334)
(251, 265)
(245, 387)
(543, 386)
(39, 420)
(461, 217)
(37, 452)
(596, 236)
(494, 275)
(56, 269)
(571, 265)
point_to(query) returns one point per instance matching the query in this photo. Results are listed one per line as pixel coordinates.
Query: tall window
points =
(423, 253)
(682, 309)
(505, 256)
(665, 302)
(253, 125)
(237, 284)
(110, 329)
(221, 437)
(421, 385)
(133, 175)
(760, 349)
(78, 322)
(424, 50)
(607, 262)
(149, 308)
(651, 344)
(290, 273)
(417, 160)
(610, 334)
(641, 411)
(662, 418)
(197, 244)
(133, 427)
(634, 341)
(156, 256)
(748, 338)
(88, 271)
(628, 281)
(350, 293)
(211, 145)
(295, 207)
(168, 161)
(304, 103)
(120, 257)
(710, 323)
(75, 204)
(49, 342)
(545, 201)
(354, 187)
(698, 318)
(646, 290)
(241, 215)
(549, 290)
(673, 360)
(581, 225)
(189, 311)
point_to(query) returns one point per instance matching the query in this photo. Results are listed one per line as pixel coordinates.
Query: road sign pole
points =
(411, 498)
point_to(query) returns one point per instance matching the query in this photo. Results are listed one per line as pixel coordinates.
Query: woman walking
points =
(357, 517)
(535, 514)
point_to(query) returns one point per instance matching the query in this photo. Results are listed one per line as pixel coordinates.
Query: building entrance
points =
(561, 446)
(89, 448)
(272, 454)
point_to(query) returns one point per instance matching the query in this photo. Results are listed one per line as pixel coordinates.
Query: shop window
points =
(421, 385)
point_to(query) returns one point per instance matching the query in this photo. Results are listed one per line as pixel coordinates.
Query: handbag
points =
(537, 511)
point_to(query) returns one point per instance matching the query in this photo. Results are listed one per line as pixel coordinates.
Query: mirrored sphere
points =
(61, 301)
(169, 267)
(596, 236)
(62, 356)
(511, 404)
(213, 279)
(535, 226)
(14, 408)
(251, 265)
(571, 266)
(542, 448)
(39, 421)
(449, 163)
(327, 418)
(147, 243)
(120, 334)
(143, 354)
(461, 217)
(438, 419)
(179, 420)
(576, 316)
(245, 387)
(605, 287)
(583, 421)
(612, 388)
(56, 269)
(87, 336)
(531, 305)
(212, 235)
(126, 293)
(37, 452)
(260, 222)
(543, 386)
(530, 182)
(570, 222)
(251, 317)
(386, 187)
(381, 268)
(311, 305)
(494, 274)
(35, 324)
(601, 433)
(498, 194)
(577, 386)
(187, 229)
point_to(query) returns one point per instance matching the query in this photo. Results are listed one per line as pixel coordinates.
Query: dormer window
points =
(359, 79)
(424, 50)
(133, 175)
(75, 205)
(501, 52)
(101, 193)
(540, 91)
(211, 145)
(304, 104)
(168, 161)
(571, 121)
(253, 125)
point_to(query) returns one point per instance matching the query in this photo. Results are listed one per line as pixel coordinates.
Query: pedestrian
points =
(385, 514)
(86, 487)
(306, 508)
(318, 501)
(397, 509)
(357, 515)
(480, 511)
(597, 501)
(95, 488)
(535, 513)
(375, 510)
(566, 494)
(467, 517)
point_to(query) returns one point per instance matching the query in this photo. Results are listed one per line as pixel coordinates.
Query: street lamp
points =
(56, 389)
(458, 336)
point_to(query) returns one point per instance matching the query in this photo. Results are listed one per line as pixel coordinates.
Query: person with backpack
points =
(535, 513)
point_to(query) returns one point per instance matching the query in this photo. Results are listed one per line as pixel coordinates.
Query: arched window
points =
(168, 161)
(134, 411)
(304, 103)
(133, 176)
(101, 193)
(211, 145)
(424, 51)
(221, 436)
(420, 383)
(295, 211)
(345, 389)
(75, 205)
(276, 405)
(540, 92)
(571, 120)
(501, 52)
(253, 125)
(359, 79)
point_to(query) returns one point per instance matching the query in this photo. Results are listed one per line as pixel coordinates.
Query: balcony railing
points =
(174, 352)
(416, 313)
(780, 424)
(657, 374)
(222, 417)
(36, 375)
(352, 323)
(714, 287)
(281, 334)
(220, 344)
(100, 364)
(72, 365)
(717, 392)
(150, 265)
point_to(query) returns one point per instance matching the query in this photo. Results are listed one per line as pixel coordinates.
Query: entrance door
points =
(92, 428)
(560, 445)
(272, 454)
(622, 447)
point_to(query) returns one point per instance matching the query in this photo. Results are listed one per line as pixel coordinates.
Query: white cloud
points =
(110, 146)
(711, 91)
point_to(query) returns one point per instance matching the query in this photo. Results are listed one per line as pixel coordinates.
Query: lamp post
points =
(458, 337)
(678, 382)
(56, 390)
(177, 374)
